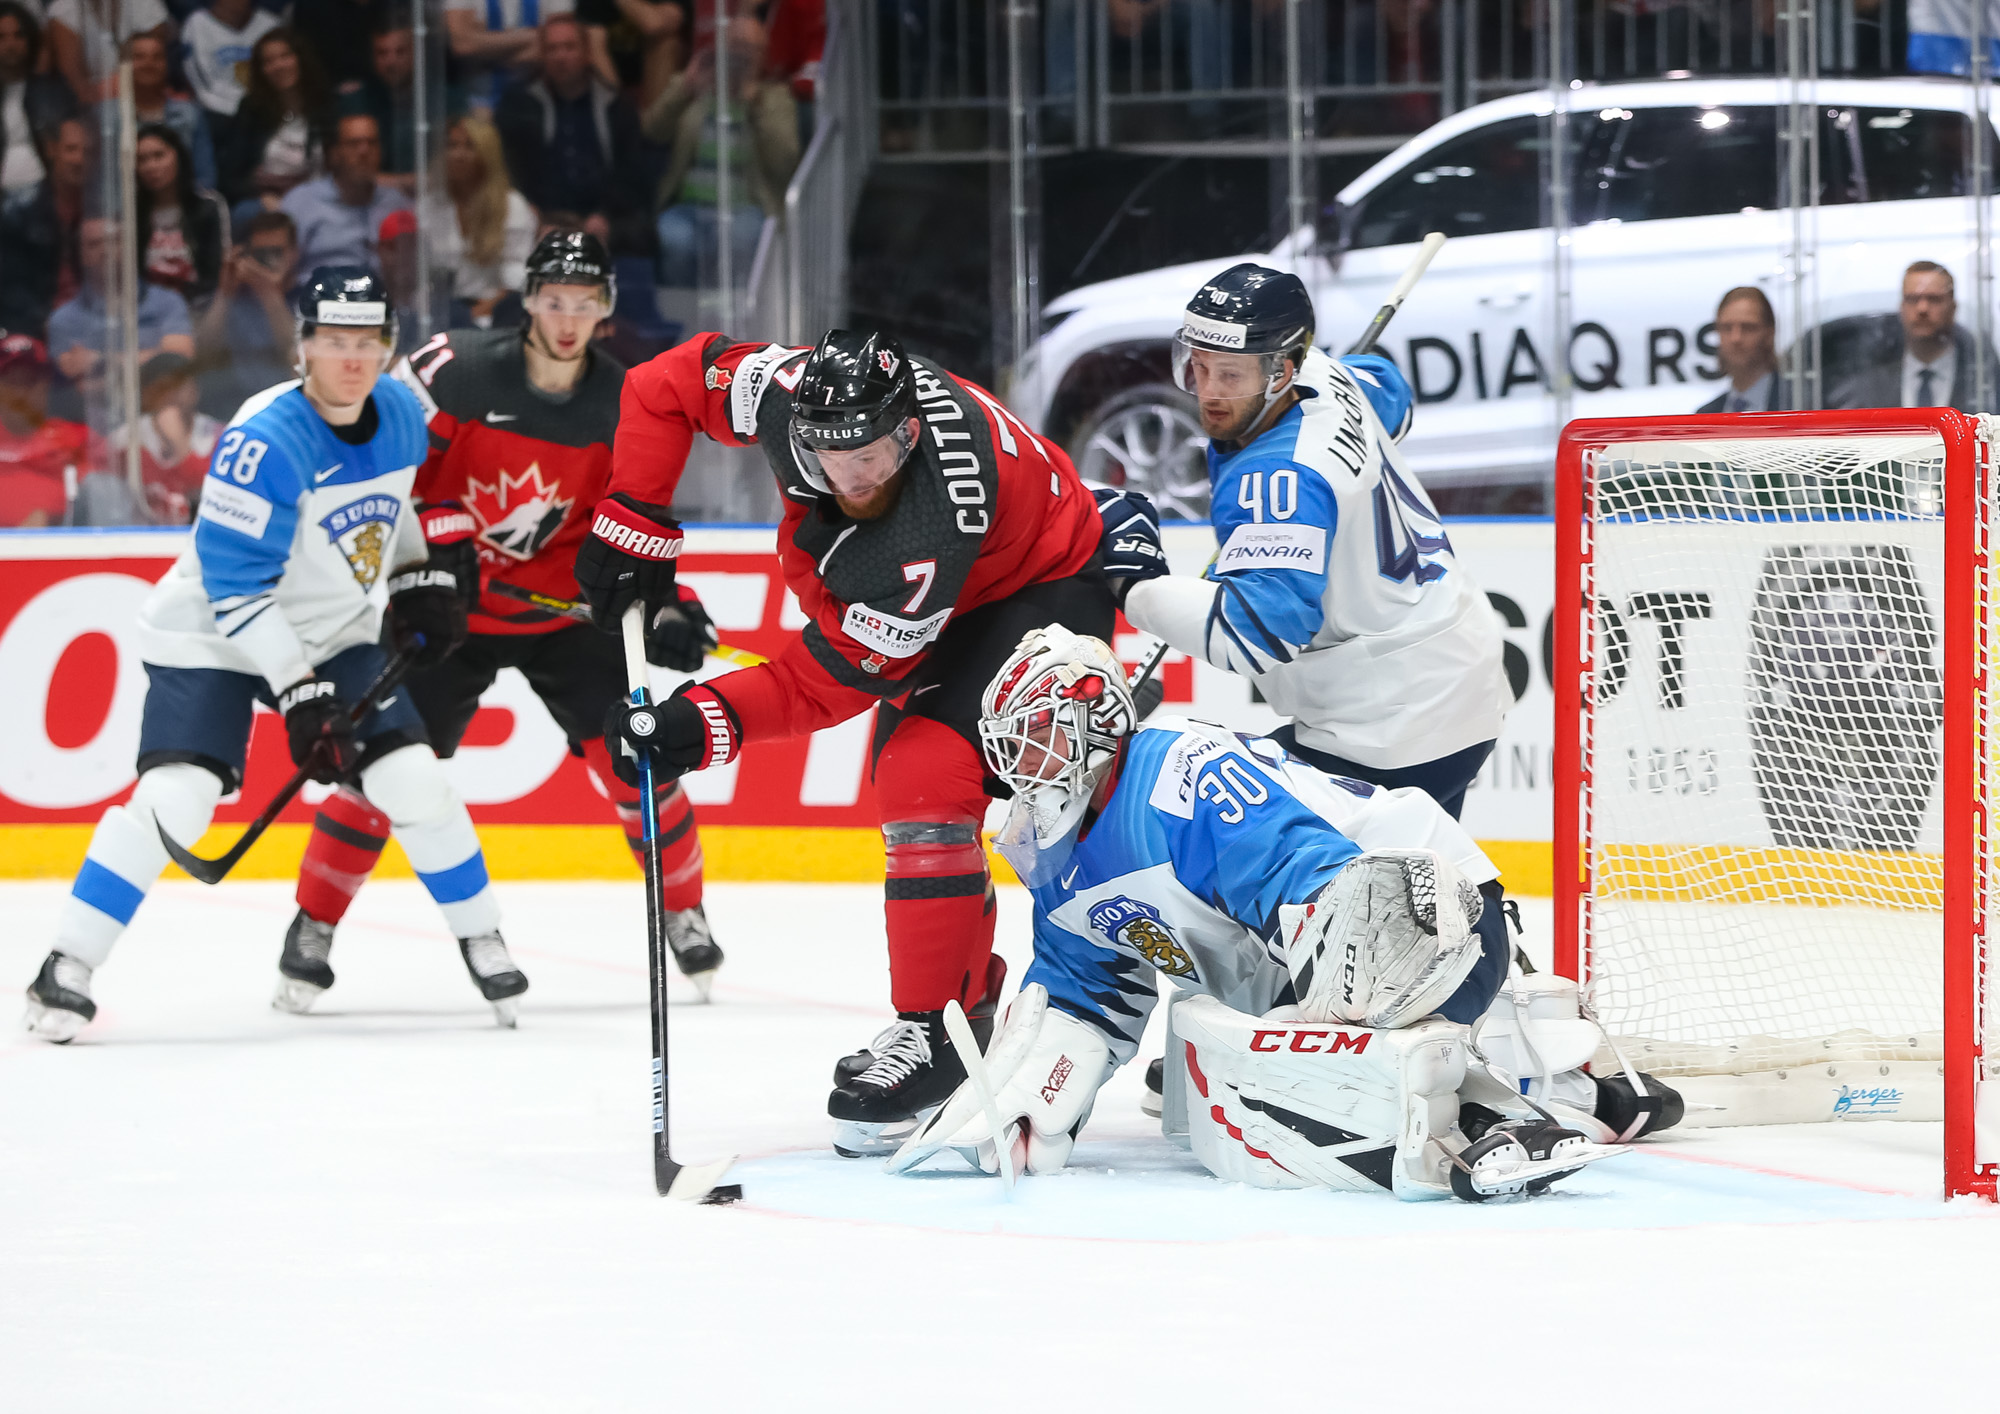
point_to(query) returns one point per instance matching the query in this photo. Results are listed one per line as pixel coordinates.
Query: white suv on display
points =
(1675, 201)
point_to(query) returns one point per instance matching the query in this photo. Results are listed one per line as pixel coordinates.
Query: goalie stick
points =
(692, 1182)
(213, 871)
(579, 611)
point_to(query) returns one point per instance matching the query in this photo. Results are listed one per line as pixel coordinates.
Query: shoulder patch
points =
(1173, 788)
(242, 511)
(747, 386)
(1281, 546)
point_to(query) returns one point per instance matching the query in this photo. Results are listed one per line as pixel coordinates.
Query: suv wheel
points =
(1149, 438)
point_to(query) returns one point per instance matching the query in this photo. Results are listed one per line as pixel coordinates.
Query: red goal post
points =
(1774, 758)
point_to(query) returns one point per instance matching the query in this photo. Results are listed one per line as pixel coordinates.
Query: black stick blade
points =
(209, 871)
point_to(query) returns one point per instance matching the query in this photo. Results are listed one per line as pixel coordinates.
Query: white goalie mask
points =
(1050, 722)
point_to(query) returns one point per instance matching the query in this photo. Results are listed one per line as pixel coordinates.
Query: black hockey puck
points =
(724, 1193)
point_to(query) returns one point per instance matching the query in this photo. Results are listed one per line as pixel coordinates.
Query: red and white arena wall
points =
(71, 686)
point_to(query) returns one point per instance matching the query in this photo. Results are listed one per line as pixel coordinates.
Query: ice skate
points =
(59, 1003)
(1154, 1100)
(916, 1068)
(696, 952)
(493, 969)
(980, 1014)
(303, 972)
(1522, 1158)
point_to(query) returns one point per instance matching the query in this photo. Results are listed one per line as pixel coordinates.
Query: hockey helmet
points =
(1247, 309)
(855, 389)
(344, 296)
(571, 258)
(1050, 723)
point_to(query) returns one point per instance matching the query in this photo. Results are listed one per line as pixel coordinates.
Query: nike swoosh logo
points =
(1070, 876)
(320, 476)
(385, 704)
(502, 417)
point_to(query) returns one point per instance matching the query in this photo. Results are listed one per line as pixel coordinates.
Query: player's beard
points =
(876, 503)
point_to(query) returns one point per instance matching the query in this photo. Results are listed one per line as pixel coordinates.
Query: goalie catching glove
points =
(1045, 1067)
(1386, 943)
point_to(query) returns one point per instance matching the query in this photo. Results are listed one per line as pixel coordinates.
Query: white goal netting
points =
(1763, 753)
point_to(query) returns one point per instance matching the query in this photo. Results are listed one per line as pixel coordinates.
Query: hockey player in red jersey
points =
(521, 424)
(925, 530)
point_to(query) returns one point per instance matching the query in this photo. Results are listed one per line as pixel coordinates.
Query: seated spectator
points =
(85, 37)
(279, 137)
(1928, 362)
(477, 227)
(396, 245)
(572, 142)
(495, 39)
(246, 336)
(183, 230)
(31, 103)
(216, 45)
(635, 45)
(175, 439)
(152, 102)
(764, 149)
(42, 458)
(388, 95)
(85, 331)
(38, 230)
(1746, 345)
(338, 33)
(338, 215)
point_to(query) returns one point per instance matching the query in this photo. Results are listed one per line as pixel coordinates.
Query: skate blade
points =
(1153, 1103)
(704, 983)
(295, 996)
(856, 1139)
(702, 1183)
(507, 1012)
(52, 1024)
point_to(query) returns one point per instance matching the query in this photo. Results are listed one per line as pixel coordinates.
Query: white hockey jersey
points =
(298, 533)
(1206, 834)
(1336, 584)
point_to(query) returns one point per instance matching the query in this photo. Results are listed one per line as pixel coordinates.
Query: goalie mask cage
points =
(1774, 676)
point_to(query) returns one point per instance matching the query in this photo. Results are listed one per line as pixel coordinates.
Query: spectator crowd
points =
(273, 138)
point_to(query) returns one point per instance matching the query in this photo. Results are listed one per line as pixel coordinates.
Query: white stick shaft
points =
(1433, 243)
(634, 626)
(960, 1031)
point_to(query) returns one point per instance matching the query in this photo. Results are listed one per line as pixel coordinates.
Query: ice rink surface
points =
(392, 1205)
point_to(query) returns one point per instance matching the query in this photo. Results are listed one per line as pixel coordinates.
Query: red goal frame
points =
(1967, 647)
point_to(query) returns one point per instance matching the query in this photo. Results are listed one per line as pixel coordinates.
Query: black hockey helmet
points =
(345, 296)
(855, 389)
(572, 258)
(1247, 309)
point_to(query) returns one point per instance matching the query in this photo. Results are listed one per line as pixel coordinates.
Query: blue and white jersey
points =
(1205, 835)
(295, 541)
(1337, 585)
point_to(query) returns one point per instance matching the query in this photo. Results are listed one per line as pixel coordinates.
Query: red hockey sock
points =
(347, 838)
(680, 840)
(939, 905)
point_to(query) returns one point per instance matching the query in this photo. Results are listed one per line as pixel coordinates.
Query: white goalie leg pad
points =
(1298, 1104)
(1045, 1067)
(1386, 942)
(1532, 1045)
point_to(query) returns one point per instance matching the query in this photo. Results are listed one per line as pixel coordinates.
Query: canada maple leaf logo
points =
(517, 515)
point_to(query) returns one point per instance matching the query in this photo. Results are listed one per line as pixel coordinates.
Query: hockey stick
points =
(213, 871)
(579, 611)
(967, 1045)
(1433, 243)
(693, 1182)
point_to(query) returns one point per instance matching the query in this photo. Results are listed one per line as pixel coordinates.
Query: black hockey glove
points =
(690, 731)
(318, 729)
(681, 634)
(428, 602)
(1131, 544)
(628, 555)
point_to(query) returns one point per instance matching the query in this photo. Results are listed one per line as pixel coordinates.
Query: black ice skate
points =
(696, 952)
(980, 1014)
(303, 972)
(59, 1003)
(493, 969)
(915, 1070)
(1154, 1101)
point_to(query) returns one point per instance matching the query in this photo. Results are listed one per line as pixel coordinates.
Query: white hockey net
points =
(1762, 812)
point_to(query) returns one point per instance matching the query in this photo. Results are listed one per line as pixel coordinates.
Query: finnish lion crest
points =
(361, 530)
(1140, 927)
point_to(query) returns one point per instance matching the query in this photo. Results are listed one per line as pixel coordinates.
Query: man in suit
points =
(1746, 345)
(1934, 366)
